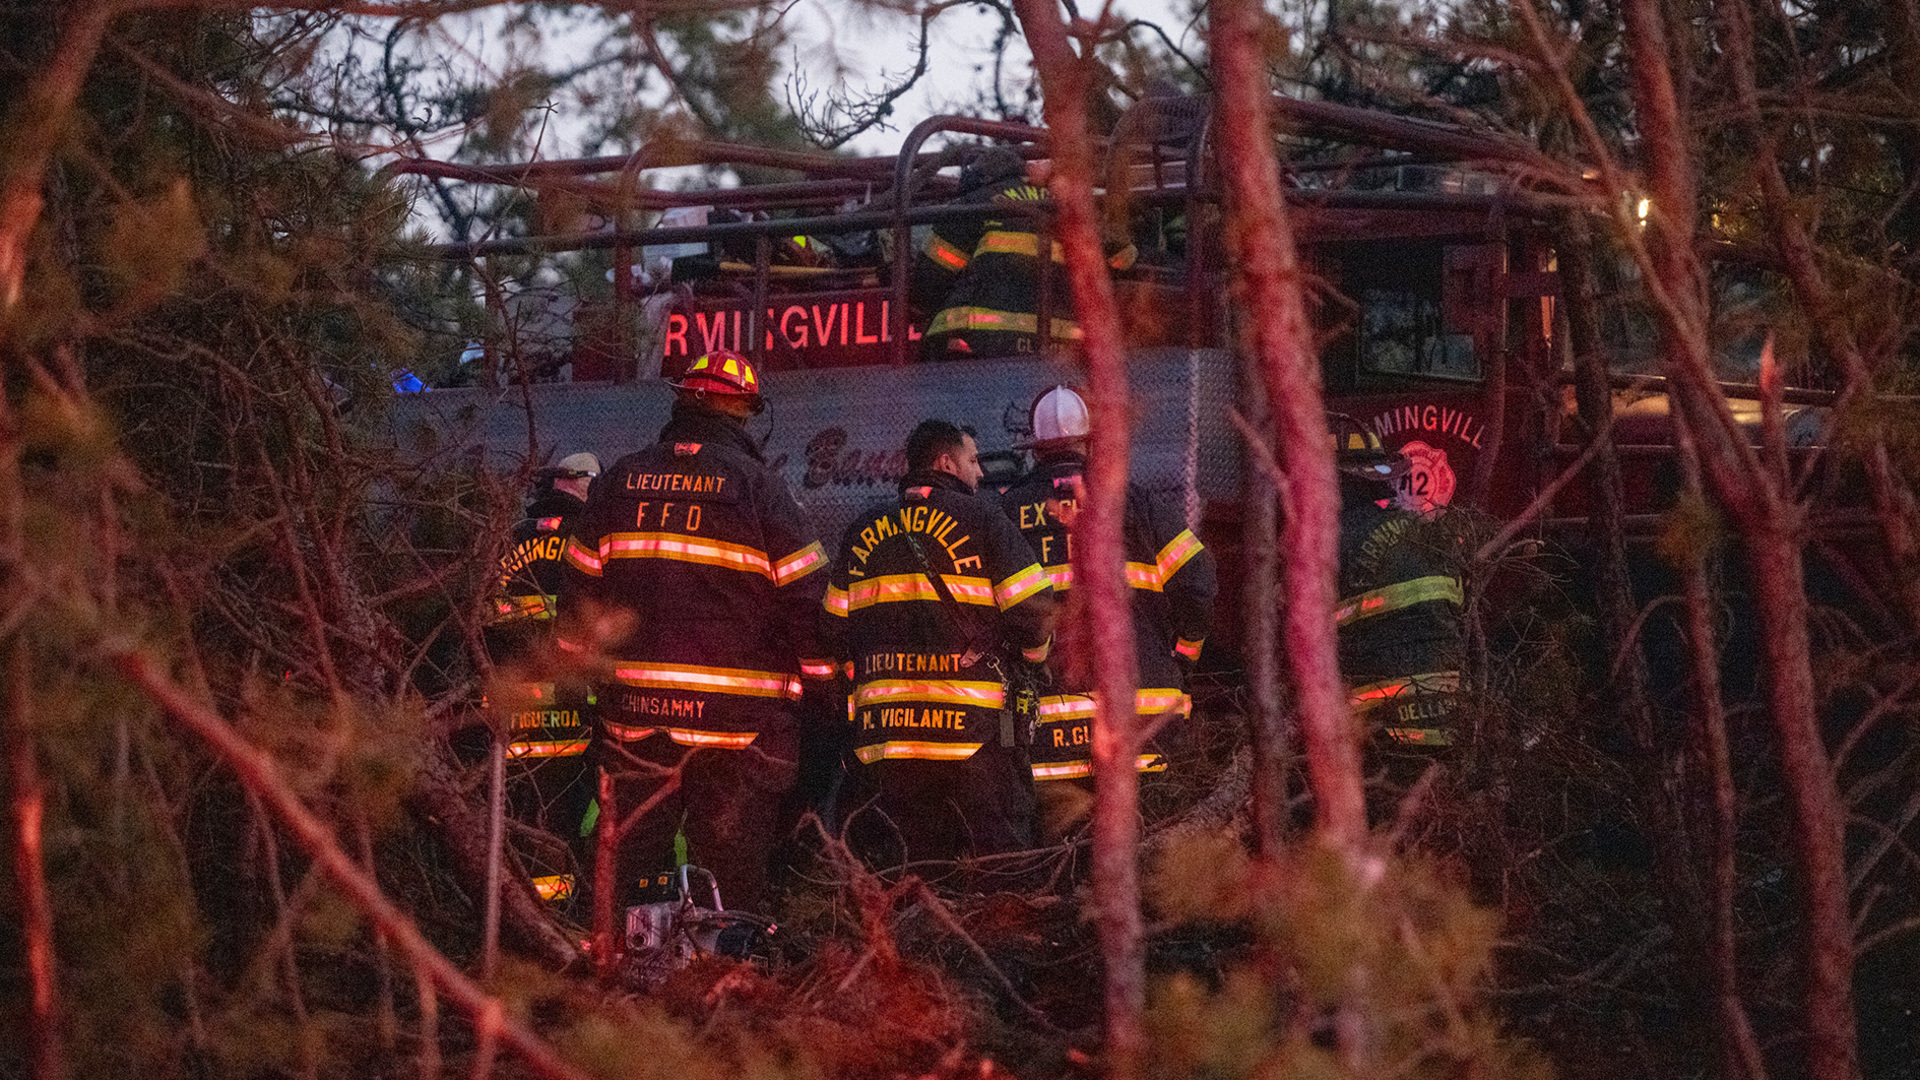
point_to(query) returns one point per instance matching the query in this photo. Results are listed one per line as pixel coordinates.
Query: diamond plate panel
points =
(838, 434)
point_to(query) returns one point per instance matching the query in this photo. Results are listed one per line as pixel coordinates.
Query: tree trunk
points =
(1739, 1049)
(1280, 337)
(1774, 557)
(462, 827)
(1260, 599)
(1626, 692)
(1702, 916)
(1099, 573)
(1770, 523)
(1893, 502)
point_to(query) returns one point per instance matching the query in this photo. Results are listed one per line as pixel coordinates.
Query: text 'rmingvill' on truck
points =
(1437, 297)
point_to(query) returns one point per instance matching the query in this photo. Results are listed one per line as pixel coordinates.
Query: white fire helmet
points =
(1059, 414)
(579, 466)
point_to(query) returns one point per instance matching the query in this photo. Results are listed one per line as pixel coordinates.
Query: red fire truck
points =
(1437, 300)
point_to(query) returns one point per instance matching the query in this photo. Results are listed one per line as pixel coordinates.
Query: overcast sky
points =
(871, 43)
(854, 47)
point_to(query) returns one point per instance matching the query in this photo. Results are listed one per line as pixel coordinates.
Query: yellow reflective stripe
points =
(1008, 242)
(889, 588)
(722, 740)
(799, 564)
(583, 558)
(969, 590)
(1143, 576)
(1061, 576)
(1012, 242)
(1147, 701)
(984, 695)
(628, 734)
(1420, 736)
(1153, 702)
(743, 681)
(691, 549)
(546, 748)
(816, 669)
(1038, 654)
(1189, 647)
(955, 319)
(1074, 770)
(837, 602)
(922, 751)
(1177, 553)
(947, 255)
(1057, 707)
(514, 608)
(1403, 594)
(1375, 693)
(553, 886)
(1017, 587)
(894, 588)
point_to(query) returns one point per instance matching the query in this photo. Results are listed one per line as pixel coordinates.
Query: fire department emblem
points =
(1429, 482)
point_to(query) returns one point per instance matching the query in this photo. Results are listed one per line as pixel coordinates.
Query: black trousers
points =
(728, 803)
(949, 810)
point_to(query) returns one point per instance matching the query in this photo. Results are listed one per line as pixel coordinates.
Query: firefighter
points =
(935, 600)
(702, 579)
(1399, 614)
(1173, 584)
(986, 273)
(546, 724)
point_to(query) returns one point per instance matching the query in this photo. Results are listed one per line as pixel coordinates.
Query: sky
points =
(871, 43)
(833, 43)
(852, 47)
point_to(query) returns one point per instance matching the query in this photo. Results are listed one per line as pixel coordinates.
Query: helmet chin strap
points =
(707, 399)
(763, 410)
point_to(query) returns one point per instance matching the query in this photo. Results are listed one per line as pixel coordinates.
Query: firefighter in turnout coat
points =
(546, 724)
(1171, 574)
(702, 546)
(986, 273)
(932, 600)
(1399, 615)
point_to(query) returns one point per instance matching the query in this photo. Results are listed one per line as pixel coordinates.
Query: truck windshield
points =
(1415, 312)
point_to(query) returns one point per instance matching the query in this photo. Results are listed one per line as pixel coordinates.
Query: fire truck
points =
(1435, 285)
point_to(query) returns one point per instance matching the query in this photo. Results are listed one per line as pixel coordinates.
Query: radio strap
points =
(979, 638)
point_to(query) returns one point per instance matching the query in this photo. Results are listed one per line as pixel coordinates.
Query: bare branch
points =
(1099, 557)
(34, 129)
(262, 778)
(844, 117)
(29, 873)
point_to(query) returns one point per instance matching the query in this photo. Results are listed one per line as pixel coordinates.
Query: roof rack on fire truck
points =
(1158, 158)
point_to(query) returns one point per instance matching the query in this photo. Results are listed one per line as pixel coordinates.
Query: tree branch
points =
(34, 129)
(258, 773)
(1099, 558)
